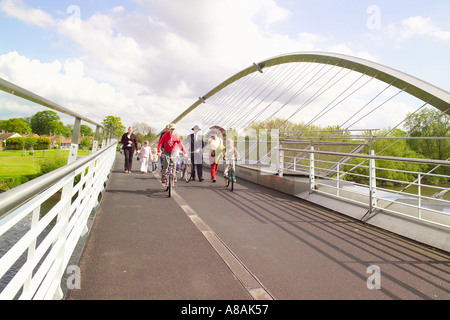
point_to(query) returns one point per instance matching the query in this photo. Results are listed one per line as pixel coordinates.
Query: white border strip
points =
(253, 286)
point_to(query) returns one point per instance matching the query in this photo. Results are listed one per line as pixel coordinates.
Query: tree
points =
(115, 125)
(61, 129)
(144, 132)
(86, 131)
(86, 142)
(44, 123)
(3, 125)
(16, 125)
(429, 123)
(141, 128)
(395, 170)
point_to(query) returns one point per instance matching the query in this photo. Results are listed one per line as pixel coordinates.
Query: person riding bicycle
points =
(230, 154)
(171, 141)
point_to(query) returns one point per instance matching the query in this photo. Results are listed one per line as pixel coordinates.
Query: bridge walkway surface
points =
(207, 243)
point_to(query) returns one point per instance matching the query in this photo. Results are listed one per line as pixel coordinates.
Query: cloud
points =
(346, 49)
(418, 26)
(63, 83)
(152, 63)
(18, 9)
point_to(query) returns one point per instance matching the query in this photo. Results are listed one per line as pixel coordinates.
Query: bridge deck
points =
(209, 243)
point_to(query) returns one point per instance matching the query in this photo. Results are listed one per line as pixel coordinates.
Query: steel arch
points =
(422, 90)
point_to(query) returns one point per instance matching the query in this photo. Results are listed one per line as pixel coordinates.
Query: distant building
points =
(65, 142)
(5, 136)
(53, 140)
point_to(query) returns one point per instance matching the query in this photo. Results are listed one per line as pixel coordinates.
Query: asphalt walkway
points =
(143, 246)
(255, 243)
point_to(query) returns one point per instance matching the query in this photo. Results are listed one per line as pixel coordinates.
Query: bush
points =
(49, 164)
(41, 143)
(11, 183)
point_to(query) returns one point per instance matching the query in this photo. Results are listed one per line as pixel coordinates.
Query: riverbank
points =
(16, 169)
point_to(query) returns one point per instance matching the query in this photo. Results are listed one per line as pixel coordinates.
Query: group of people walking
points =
(168, 149)
(130, 148)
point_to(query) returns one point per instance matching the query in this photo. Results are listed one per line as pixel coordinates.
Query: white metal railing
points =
(37, 245)
(46, 244)
(335, 175)
(430, 209)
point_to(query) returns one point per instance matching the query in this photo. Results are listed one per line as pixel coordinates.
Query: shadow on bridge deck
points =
(209, 243)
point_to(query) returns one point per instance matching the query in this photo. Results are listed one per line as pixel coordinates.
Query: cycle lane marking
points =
(250, 282)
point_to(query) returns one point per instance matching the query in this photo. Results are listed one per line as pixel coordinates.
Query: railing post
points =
(105, 132)
(372, 183)
(280, 161)
(108, 138)
(277, 152)
(95, 144)
(262, 143)
(252, 146)
(74, 146)
(338, 177)
(90, 187)
(419, 194)
(274, 145)
(31, 250)
(63, 217)
(312, 179)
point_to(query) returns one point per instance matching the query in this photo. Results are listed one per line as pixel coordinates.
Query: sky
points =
(149, 60)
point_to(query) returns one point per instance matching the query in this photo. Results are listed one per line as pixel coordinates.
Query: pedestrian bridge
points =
(311, 216)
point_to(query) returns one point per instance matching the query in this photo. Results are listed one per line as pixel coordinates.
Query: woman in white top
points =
(215, 146)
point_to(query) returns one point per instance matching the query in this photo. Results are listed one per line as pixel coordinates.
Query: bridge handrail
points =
(36, 261)
(30, 96)
(418, 204)
(23, 193)
(374, 157)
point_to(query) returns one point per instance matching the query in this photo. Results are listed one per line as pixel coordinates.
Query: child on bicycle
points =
(231, 154)
(171, 141)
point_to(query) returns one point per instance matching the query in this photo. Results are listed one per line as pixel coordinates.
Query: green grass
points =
(16, 169)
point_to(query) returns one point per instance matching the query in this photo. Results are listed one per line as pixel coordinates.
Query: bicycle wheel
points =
(227, 180)
(170, 185)
(182, 170)
(188, 173)
(231, 178)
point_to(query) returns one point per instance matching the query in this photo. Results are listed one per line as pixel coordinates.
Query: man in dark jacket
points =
(195, 144)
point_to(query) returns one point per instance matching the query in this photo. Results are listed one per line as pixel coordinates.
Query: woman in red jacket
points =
(171, 141)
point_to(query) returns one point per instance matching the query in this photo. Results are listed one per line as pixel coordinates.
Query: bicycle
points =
(171, 178)
(186, 169)
(230, 179)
